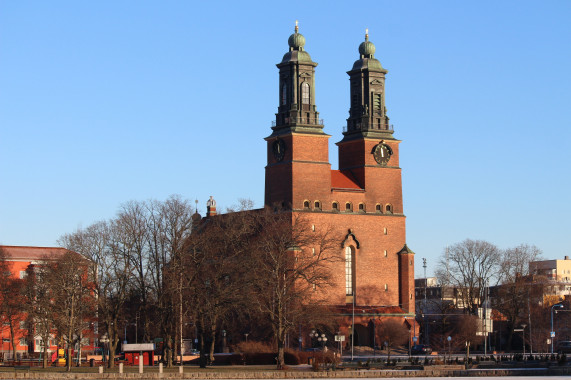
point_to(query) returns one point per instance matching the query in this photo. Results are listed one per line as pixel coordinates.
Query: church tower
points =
(368, 150)
(298, 153)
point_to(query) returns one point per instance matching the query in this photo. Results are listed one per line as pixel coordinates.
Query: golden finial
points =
(296, 27)
(367, 34)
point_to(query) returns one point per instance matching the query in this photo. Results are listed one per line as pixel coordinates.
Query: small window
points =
(389, 209)
(410, 295)
(23, 342)
(284, 94)
(411, 262)
(335, 206)
(348, 206)
(313, 227)
(386, 253)
(386, 287)
(305, 93)
(361, 207)
(313, 251)
(305, 204)
(378, 208)
(385, 231)
(317, 205)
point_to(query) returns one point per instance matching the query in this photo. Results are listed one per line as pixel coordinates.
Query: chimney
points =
(210, 207)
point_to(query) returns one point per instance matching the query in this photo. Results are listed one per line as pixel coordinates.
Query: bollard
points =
(181, 369)
(141, 364)
(120, 367)
(100, 369)
(160, 367)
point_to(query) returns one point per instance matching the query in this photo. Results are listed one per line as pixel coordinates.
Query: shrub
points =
(253, 347)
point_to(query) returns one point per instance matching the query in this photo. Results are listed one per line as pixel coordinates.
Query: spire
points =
(368, 114)
(297, 111)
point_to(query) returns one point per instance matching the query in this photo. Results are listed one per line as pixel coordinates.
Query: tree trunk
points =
(212, 344)
(12, 340)
(281, 357)
(45, 358)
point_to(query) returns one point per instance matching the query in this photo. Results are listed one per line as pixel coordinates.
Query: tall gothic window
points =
(305, 93)
(284, 94)
(349, 270)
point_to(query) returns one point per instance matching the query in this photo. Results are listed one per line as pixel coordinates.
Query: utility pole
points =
(425, 303)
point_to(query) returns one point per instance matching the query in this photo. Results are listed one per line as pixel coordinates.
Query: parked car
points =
(421, 349)
(564, 347)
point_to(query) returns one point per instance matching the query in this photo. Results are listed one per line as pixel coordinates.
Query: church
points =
(362, 200)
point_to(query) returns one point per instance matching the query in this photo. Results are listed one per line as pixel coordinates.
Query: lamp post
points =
(523, 325)
(449, 339)
(312, 335)
(559, 306)
(323, 340)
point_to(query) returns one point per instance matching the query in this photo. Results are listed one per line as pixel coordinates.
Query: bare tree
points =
(40, 307)
(392, 333)
(169, 224)
(466, 332)
(215, 269)
(73, 299)
(469, 266)
(513, 294)
(290, 261)
(11, 298)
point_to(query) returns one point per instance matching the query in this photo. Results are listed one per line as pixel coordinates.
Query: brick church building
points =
(362, 201)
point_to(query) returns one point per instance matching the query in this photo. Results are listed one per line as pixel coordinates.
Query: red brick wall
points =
(304, 174)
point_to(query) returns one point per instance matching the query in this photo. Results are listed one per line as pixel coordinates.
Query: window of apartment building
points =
(23, 342)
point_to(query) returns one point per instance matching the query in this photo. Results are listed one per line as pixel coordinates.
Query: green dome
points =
(296, 41)
(367, 48)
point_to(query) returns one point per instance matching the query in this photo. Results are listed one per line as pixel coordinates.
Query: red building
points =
(362, 200)
(21, 260)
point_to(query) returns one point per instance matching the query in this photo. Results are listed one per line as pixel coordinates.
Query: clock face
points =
(278, 148)
(382, 153)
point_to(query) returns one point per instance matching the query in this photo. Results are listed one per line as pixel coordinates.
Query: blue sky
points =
(110, 101)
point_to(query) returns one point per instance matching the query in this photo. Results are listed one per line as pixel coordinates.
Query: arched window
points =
(317, 205)
(284, 94)
(305, 93)
(361, 207)
(378, 208)
(335, 206)
(389, 209)
(348, 206)
(305, 204)
(349, 270)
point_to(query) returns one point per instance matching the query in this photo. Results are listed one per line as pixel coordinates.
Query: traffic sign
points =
(340, 338)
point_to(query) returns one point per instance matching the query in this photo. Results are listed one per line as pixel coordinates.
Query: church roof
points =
(341, 180)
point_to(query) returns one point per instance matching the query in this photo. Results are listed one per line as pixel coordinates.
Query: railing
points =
(373, 127)
(299, 120)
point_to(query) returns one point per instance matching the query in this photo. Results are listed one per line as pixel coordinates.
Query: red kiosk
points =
(134, 352)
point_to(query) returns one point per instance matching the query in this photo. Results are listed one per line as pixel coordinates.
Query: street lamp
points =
(449, 339)
(323, 340)
(559, 306)
(313, 335)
